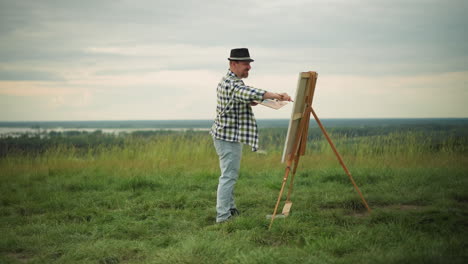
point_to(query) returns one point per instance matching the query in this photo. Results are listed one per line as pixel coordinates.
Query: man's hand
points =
(277, 96)
(284, 97)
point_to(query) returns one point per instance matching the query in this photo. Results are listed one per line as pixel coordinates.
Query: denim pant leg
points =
(229, 162)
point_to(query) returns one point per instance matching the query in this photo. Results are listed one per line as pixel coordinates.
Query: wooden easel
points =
(299, 147)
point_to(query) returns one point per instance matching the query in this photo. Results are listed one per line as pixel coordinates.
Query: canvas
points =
(306, 82)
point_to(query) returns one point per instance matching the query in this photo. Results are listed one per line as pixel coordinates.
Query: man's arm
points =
(280, 97)
(247, 94)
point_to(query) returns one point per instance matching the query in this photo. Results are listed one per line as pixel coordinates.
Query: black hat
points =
(241, 54)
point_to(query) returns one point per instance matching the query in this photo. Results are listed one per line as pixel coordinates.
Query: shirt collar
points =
(230, 73)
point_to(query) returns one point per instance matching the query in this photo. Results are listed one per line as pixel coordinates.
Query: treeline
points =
(35, 144)
(83, 141)
(435, 137)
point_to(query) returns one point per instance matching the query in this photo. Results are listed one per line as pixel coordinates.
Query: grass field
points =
(152, 200)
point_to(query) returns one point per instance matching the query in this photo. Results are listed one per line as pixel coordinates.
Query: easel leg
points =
(291, 184)
(286, 175)
(299, 146)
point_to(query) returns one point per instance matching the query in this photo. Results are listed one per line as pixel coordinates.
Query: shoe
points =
(227, 220)
(234, 212)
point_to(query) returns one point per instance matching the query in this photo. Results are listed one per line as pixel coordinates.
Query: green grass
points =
(153, 201)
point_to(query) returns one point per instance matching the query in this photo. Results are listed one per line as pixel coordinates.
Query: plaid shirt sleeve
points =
(246, 94)
(235, 121)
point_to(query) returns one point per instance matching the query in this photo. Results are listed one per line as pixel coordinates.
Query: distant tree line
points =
(35, 144)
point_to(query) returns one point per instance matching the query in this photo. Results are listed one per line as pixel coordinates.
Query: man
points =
(235, 125)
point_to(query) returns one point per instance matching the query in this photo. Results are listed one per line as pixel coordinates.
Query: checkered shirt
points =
(235, 121)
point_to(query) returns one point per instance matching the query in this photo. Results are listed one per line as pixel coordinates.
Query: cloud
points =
(437, 95)
(364, 96)
(158, 59)
(166, 56)
(32, 88)
(191, 94)
(28, 75)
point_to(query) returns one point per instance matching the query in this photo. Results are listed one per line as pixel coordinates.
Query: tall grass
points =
(152, 200)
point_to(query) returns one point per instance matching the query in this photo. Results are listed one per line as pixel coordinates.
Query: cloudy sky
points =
(154, 59)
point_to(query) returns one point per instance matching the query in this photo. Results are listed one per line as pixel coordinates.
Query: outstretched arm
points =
(278, 96)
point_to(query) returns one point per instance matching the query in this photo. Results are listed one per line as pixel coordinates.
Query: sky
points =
(160, 60)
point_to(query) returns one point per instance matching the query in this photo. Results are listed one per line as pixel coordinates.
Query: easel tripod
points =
(299, 147)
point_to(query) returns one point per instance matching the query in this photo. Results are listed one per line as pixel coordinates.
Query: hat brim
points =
(240, 59)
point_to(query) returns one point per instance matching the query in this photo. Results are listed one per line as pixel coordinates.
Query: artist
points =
(235, 125)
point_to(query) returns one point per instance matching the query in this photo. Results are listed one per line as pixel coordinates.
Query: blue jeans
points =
(229, 162)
